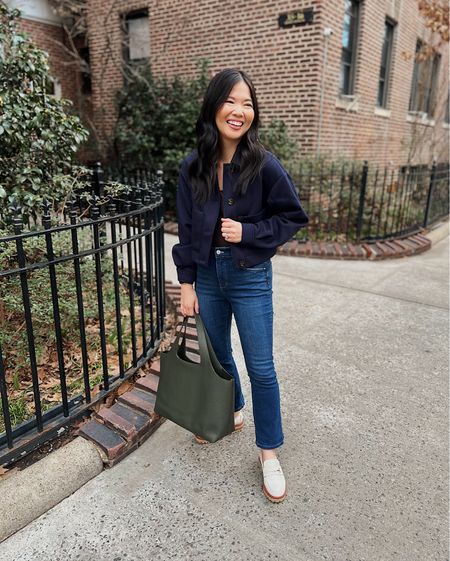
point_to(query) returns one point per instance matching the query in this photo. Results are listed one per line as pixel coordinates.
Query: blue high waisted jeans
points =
(224, 289)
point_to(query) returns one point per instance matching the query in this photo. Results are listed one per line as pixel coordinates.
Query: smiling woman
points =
(235, 205)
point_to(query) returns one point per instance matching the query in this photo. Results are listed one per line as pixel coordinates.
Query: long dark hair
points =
(202, 169)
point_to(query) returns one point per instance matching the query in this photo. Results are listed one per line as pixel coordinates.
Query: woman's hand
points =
(189, 300)
(231, 230)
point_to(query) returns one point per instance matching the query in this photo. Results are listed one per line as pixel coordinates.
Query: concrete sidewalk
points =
(361, 351)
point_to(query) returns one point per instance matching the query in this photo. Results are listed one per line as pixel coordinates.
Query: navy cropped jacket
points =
(270, 213)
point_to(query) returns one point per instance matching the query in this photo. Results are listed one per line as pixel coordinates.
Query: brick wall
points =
(286, 66)
(282, 63)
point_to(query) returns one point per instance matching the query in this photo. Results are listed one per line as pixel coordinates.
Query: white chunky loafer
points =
(238, 425)
(238, 420)
(274, 483)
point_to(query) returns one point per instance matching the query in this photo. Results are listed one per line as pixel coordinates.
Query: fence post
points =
(160, 191)
(98, 185)
(430, 194)
(362, 196)
(17, 222)
(97, 180)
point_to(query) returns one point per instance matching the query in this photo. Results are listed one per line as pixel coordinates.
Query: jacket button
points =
(231, 201)
(241, 262)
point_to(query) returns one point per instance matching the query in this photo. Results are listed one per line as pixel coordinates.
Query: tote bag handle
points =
(207, 354)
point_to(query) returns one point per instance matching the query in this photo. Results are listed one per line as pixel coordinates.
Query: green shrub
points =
(38, 135)
(275, 138)
(156, 122)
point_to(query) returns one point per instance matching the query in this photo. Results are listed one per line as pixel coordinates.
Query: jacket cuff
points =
(248, 233)
(186, 275)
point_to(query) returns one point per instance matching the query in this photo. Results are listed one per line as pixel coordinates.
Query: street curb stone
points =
(29, 493)
(438, 232)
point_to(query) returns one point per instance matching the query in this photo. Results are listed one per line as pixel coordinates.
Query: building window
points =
(53, 87)
(86, 85)
(350, 34)
(385, 66)
(424, 82)
(137, 36)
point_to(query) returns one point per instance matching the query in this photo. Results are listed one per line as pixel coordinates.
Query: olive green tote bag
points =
(196, 396)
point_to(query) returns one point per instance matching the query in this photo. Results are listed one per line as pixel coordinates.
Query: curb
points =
(101, 442)
(29, 493)
(386, 249)
(439, 232)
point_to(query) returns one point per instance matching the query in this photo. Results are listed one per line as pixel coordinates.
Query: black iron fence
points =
(82, 306)
(364, 203)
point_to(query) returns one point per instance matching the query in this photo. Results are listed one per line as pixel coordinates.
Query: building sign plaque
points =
(299, 17)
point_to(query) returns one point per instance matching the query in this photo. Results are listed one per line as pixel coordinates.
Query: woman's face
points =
(235, 116)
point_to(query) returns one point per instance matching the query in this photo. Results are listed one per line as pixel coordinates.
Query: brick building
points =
(333, 70)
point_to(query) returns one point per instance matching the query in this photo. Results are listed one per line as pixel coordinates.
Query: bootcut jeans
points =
(224, 289)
